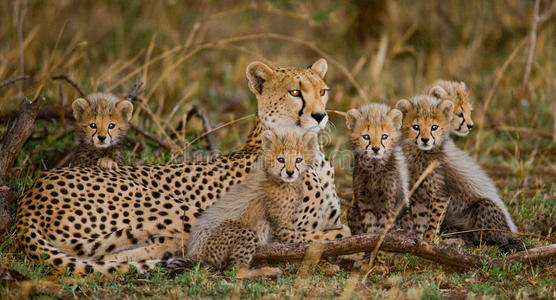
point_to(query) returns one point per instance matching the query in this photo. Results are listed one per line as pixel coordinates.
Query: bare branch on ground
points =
(394, 242)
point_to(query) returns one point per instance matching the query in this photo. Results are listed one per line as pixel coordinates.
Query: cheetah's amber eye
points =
(366, 137)
(93, 125)
(434, 127)
(281, 160)
(323, 92)
(111, 126)
(298, 160)
(384, 136)
(415, 127)
(295, 93)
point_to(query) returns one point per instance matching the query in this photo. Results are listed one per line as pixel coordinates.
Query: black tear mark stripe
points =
(300, 113)
(433, 138)
(368, 144)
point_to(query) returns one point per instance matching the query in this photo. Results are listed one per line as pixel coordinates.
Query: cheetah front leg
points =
(107, 163)
(439, 204)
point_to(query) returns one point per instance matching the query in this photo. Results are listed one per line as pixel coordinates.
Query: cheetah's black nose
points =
(469, 126)
(318, 116)
(425, 140)
(290, 173)
(375, 149)
(101, 138)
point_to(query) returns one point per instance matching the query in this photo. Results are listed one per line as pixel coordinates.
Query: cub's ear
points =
(320, 66)
(438, 92)
(125, 109)
(351, 118)
(79, 106)
(403, 105)
(257, 73)
(396, 117)
(310, 139)
(447, 109)
(269, 137)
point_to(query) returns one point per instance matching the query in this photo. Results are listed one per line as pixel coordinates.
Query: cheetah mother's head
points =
(290, 96)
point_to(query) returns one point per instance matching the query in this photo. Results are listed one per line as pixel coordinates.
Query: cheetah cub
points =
(260, 209)
(102, 123)
(448, 196)
(380, 172)
(455, 91)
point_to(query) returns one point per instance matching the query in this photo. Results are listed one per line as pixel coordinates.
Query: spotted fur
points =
(261, 209)
(447, 196)
(101, 126)
(455, 91)
(92, 220)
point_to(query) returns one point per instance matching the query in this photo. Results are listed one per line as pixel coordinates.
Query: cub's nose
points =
(318, 116)
(375, 149)
(469, 126)
(290, 173)
(425, 140)
(101, 138)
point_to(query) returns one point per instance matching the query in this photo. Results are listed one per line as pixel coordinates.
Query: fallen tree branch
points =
(10, 147)
(214, 151)
(9, 81)
(19, 132)
(442, 254)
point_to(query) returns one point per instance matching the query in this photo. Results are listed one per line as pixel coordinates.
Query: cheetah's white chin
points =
(460, 133)
(425, 147)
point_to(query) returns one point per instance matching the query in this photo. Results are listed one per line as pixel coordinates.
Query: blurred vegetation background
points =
(195, 52)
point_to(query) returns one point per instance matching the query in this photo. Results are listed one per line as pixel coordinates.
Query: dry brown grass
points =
(196, 54)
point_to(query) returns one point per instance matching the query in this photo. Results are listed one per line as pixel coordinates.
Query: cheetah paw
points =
(246, 273)
(179, 263)
(107, 163)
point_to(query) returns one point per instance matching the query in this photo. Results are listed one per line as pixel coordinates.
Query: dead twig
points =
(214, 151)
(135, 91)
(537, 20)
(163, 143)
(71, 82)
(9, 81)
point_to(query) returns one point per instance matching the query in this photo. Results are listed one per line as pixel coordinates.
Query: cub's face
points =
(287, 155)
(426, 121)
(100, 122)
(374, 129)
(289, 96)
(461, 123)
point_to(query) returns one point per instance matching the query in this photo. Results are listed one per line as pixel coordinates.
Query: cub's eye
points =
(460, 114)
(323, 92)
(415, 127)
(434, 127)
(111, 126)
(366, 137)
(93, 125)
(298, 160)
(281, 160)
(384, 136)
(295, 93)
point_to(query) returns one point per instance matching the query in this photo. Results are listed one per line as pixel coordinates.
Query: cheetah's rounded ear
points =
(310, 139)
(396, 116)
(403, 105)
(269, 137)
(125, 108)
(438, 92)
(79, 107)
(257, 74)
(320, 66)
(351, 118)
(447, 109)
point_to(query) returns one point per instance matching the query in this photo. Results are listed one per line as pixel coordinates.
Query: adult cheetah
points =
(85, 220)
